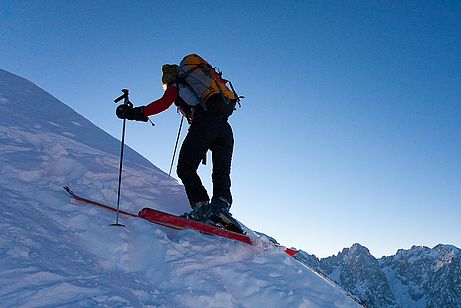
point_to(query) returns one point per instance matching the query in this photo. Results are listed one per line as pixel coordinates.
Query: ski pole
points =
(127, 102)
(176, 146)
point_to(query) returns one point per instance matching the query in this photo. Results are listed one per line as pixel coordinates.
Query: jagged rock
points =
(417, 277)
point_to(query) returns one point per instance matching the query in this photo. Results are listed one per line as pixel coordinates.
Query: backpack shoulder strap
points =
(181, 81)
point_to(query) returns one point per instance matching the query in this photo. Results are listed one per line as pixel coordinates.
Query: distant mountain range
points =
(417, 277)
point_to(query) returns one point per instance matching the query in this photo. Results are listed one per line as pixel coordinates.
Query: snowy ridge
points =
(54, 251)
(417, 277)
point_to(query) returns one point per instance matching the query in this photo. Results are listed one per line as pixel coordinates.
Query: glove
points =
(130, 113)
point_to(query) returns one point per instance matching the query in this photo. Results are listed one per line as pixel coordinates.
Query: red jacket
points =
(163, 103)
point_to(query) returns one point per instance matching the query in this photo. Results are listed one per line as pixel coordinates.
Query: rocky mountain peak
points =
(415, 277)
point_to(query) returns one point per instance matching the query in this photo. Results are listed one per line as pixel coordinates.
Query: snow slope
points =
(54, 251)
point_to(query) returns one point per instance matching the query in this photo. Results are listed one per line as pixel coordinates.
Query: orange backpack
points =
(198, 81)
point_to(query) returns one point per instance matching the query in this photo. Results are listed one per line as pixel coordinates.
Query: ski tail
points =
(81, 199)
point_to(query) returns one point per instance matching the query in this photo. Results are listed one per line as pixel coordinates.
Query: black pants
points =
(208, 131)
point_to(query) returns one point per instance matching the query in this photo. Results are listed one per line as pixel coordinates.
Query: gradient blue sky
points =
(350, 130)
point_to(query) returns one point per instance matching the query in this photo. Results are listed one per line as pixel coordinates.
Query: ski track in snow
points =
(58, 252)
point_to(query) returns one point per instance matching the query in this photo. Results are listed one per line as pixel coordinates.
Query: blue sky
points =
(350, 127)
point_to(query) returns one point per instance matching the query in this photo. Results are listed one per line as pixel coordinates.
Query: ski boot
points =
(200, 211)
(219, 216)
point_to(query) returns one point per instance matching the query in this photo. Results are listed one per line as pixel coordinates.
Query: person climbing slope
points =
(203, 97)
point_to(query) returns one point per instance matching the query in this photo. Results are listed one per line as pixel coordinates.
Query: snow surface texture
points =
(55, 251)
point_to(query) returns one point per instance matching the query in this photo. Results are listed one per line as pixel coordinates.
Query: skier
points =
(209, 130)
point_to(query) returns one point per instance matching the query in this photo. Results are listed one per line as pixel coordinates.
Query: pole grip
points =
(123, 96)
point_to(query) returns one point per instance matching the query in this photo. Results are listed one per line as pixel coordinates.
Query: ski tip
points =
(291, 252)
(68, 190)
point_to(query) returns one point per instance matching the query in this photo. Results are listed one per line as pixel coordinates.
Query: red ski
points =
(177, 222)
(168, 220)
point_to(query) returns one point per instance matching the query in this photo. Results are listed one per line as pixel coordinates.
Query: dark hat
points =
(169, 72)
